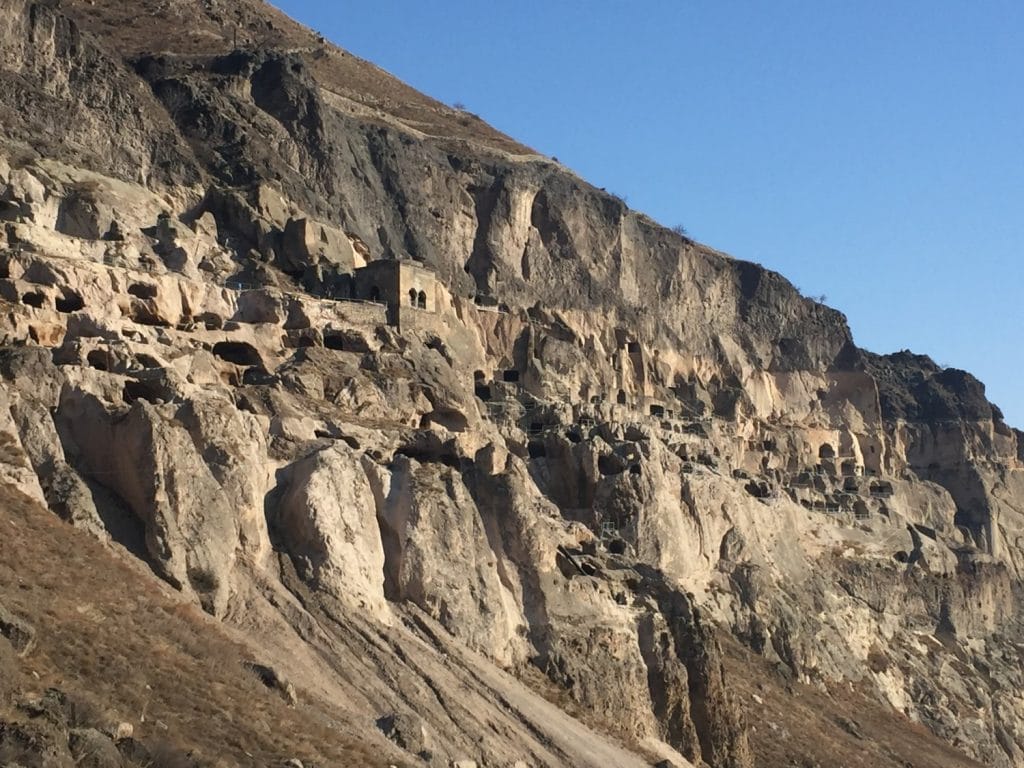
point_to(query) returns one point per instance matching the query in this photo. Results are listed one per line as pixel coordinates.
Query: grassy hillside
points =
(122, 649)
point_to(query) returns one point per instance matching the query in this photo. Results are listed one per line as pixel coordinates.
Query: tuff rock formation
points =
(460, 444)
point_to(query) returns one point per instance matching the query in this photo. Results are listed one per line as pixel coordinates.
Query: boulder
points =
(16, 469)
(233, 445)
(18, 632)
(308, 243)
(274, 680)
(439, 556)
(149, 459)
(410, 732)
(83, 213)
(93, 749)
(325, 521)
(121, 731)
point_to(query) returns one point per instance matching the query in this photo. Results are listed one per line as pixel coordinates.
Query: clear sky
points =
(870, 151)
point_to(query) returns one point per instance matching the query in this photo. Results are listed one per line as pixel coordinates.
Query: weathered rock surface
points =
(431, 422)
(18, 632)
(326, 521)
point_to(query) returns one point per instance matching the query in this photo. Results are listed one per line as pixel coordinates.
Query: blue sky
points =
(872, 152)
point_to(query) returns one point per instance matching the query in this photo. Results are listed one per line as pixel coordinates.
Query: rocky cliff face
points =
(438, 427)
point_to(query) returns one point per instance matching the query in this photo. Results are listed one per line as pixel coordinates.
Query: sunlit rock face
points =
(348, 369)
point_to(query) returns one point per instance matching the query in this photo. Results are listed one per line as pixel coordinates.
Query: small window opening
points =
(237, 352)
(70, 302)
(142, 290)
(34, 299)
(141, 390)
(99, 359)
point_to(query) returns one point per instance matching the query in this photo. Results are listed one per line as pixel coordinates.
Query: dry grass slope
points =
(193, 28)
(108, 635)
(798, 725)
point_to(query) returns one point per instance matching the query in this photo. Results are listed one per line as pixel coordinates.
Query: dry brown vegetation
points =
(800, 725)
(122, 646)
(187, 28)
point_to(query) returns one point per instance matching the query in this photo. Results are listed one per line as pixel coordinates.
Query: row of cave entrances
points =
(511, 376)
(483, 390)
(70, 301)
(607, 464)
(237, 353)
(67, 303)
